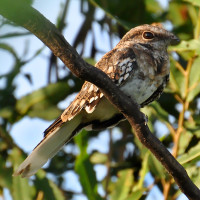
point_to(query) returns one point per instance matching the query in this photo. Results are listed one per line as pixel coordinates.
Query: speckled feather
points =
(138, 65)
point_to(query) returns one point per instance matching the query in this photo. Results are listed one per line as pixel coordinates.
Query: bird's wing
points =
(87, 99)
(118, 64)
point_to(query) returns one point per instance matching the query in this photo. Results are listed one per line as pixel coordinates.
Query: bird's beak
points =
(174, 40)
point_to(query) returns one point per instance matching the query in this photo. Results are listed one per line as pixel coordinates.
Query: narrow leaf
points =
(194, 2)
(155, 167)
(9, 49)
(136, 195)
(194, 80)
(192, 155)
(49, 189)
(123, 185)
(43, 98)
(143, 170)
(21, 189)
(84, 168)
(160, 112)
(190, 45)
(177, 80)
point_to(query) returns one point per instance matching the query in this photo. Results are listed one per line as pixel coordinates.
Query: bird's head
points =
(153, 35)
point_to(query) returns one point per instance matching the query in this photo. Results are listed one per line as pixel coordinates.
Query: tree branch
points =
(24, 15)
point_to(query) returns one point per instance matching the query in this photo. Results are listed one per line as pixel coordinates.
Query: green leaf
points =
(153, 6)
(175, 14)
(44, 99)
(143, 170)
(91, 61)
(5, 175)
(193, 93)
(21, 189)
(184, 141)
(194, 2)
(9, 49)
(49, 188)
(155, 167)
(121, 11)
(49, 112)
(192, 156)
(14, 34)
(98, 158)
(194, 174)
(6, 112)
(190, 45)
(123, 185)
(84, 168)
(160, 112)
(140, 146)
(136, 195)
(194, 80)
(177, 80)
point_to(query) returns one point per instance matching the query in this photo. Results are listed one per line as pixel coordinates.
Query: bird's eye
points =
(148, 35)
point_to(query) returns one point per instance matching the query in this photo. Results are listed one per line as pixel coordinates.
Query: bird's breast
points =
(142, 85)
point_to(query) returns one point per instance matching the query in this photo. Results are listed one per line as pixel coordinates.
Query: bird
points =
(139, 65)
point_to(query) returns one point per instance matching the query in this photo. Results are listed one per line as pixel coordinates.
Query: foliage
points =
(128, 169)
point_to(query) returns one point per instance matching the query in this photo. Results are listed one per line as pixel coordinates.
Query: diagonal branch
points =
(24, 15)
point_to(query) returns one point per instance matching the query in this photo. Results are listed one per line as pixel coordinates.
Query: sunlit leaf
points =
(136, 195)
(184, 141)
(194, 80)
(177, 80)
(99, 158)
(91, 61)
(194, 2)
(43, 99)
(153, 6)
(191, 45)
(21, 189)
(175, 13)
(143, 170)
(6, 112)
(49, 189)
(123, 185)
(194, 173)
(192, 156)
(49, 111)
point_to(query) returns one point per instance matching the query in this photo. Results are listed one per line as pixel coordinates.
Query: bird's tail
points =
(48, 147)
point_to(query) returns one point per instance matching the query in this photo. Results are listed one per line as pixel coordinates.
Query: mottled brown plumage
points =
(138, 65)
